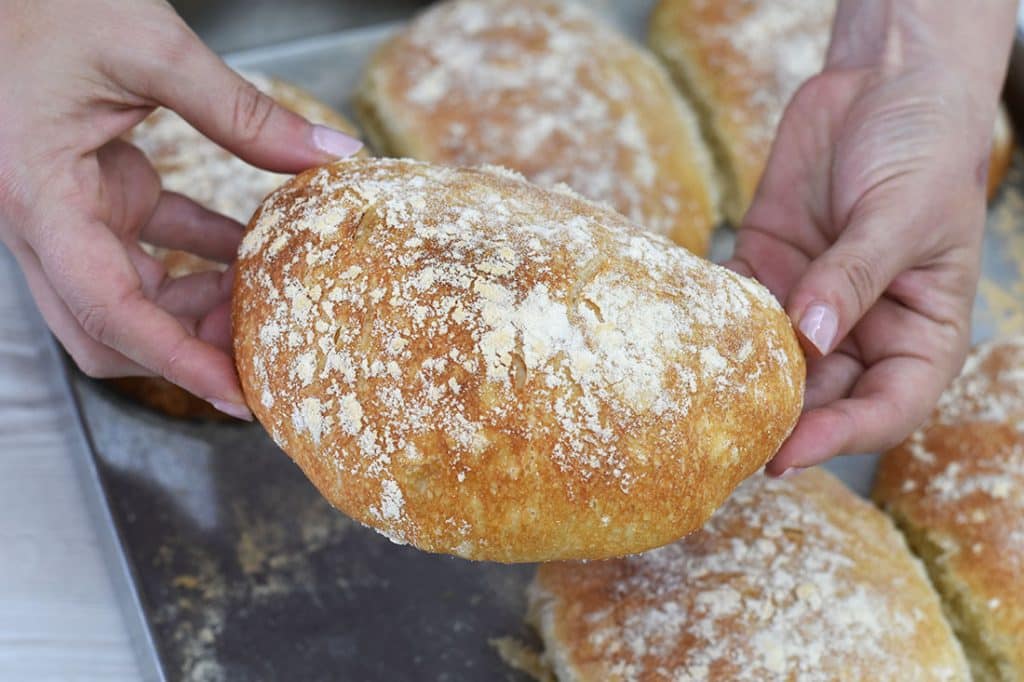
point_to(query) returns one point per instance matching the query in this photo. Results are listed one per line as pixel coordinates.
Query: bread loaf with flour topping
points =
(956, 489)
(475, 365)
(545, 88)
(790, 580)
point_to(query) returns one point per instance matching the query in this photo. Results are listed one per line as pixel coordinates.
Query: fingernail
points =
(819, 325)
(233, 409)
(791, 473)
(335, 142)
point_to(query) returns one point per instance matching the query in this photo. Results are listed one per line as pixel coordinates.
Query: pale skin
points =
(867, 224)
(74, 199)
(868, 220)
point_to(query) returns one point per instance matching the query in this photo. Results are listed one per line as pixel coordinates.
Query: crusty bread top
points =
(961, 488)
(990, 388)
(742, 61)
(788, 580)
(424, 339)
(190, 164)
(545, 88)
(957, 487)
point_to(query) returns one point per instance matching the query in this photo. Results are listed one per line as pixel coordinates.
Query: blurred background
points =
(229, 25)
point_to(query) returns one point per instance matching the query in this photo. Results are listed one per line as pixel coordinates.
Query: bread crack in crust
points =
(482, 367)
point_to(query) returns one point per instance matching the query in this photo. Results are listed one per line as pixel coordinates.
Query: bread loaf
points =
(740, 62)
(190, 164)
(543, 87)
(474, 365)
(789, 580)
(956, 489)
(1002, 151)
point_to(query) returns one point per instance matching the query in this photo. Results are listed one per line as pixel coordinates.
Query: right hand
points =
(75, 199)
(869, 218)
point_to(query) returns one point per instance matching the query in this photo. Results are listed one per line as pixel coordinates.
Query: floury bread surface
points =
(545, 88)
(795, 580)
(474, 365)
(956, 489)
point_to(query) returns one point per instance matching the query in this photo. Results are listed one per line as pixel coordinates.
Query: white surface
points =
(59, 619)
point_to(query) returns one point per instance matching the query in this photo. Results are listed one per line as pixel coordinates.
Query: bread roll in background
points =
(190, 164)
(474, 365)
(740, 62)
(543, 87)
(790, 580)
(956, 489)
(1002, 151)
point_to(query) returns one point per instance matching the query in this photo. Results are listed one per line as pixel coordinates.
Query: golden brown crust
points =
(190, 164)
(789, 580)
(740, 62)
(956, 488)
(543, 88)
(475, 365)
(1002, 151)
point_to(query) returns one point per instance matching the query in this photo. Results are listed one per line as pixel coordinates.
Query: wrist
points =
(968, 38)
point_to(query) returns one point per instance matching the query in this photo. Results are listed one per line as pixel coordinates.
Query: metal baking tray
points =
(229, 564)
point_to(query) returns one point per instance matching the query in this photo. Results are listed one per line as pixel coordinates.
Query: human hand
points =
(868, 225)
(75, 199)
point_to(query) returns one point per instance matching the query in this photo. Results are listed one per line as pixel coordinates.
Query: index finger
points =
(179, 71)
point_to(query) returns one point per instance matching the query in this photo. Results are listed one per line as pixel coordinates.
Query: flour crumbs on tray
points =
(462, 335)
(788, 580)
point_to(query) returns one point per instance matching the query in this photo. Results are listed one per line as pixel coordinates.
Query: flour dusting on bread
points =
(434, 312)
(777, 585)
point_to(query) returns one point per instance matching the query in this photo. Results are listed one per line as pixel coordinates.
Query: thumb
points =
(234, 113)
(839, 287)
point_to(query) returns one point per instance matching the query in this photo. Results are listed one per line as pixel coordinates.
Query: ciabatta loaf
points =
(476, 365)
(789, 580)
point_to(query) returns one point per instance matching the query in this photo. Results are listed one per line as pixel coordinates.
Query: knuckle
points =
(176, 41)
(170, 367)
(862, 278)
(250, 113)
(94, 319)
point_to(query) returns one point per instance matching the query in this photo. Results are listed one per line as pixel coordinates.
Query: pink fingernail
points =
(819, 326)
(791, 473)
(233, 409)
(335, 142)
